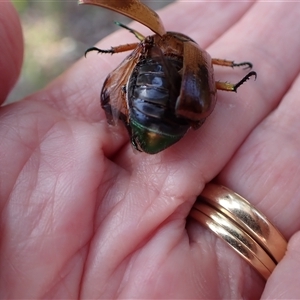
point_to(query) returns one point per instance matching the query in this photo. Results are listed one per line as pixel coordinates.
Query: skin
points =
(84, 216)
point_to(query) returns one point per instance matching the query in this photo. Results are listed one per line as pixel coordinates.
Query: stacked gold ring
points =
(242, 226)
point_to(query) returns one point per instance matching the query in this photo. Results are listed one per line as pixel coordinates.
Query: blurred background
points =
(56, 34)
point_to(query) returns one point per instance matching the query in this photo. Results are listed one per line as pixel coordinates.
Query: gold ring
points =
(242, 226)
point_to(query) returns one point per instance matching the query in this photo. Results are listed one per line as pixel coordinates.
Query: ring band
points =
(242, 226)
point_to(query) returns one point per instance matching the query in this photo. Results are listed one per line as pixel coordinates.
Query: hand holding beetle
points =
(82, 216)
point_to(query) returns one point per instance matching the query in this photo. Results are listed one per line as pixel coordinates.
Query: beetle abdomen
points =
(152, 95)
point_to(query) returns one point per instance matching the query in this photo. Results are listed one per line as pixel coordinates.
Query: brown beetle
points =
(165, 86)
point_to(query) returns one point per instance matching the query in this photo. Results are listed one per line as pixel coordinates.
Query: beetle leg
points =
(136, 33)
(227, 86)
(231, 63)
(113, 50)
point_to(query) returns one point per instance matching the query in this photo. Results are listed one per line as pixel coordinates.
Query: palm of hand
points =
(85, 216)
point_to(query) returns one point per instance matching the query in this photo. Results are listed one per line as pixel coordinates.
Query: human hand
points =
(84, 216)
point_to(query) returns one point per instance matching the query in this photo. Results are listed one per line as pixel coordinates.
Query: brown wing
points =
(133, 9)
(113, 94)
(198, 92)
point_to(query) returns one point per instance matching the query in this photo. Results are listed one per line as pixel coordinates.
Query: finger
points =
(262, 170)
(265, 169)
(11, 48)
(269, 163)
(283, 284)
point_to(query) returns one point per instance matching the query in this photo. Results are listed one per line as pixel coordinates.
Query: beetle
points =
(165, 86)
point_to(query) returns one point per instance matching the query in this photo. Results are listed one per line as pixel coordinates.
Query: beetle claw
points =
(247, 65)
(111, 51)
(252, 73)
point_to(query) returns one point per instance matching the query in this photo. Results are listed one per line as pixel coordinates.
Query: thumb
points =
(11, 48)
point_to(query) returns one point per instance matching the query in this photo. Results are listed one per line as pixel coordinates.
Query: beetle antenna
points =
(136, 33)
(237, 85)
